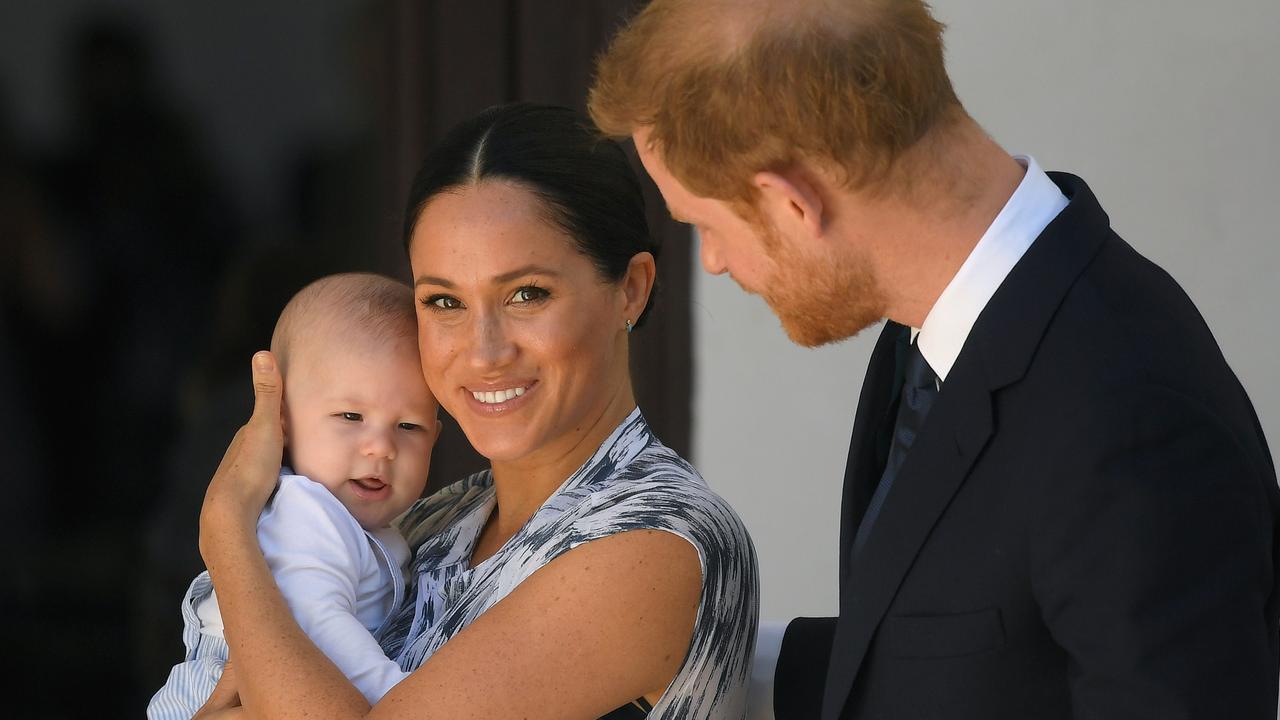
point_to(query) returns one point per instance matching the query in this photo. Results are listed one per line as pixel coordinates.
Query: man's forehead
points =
(649, 157)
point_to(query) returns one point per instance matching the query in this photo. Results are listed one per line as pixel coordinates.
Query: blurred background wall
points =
(1170, 111)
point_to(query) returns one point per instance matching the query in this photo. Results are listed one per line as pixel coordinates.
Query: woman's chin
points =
(495, 445)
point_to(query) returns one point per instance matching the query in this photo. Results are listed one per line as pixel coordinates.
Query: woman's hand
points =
(225, 700)
(248, 471)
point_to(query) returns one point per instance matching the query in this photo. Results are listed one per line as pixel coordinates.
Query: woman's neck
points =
(522, 486)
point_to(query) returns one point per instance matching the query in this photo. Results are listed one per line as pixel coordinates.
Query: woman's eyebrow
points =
(497, 280)
(522, 271)
(429, 280)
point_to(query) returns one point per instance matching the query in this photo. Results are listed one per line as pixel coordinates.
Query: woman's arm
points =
(602, 624)
(269, 648)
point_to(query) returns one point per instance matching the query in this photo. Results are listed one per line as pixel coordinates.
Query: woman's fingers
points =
(225, 695)
(262, 437)
(267, 387)
(247, 474)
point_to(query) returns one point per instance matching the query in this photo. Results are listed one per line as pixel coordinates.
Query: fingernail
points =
(262, 361)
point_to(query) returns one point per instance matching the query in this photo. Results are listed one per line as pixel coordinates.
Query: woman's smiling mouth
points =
(498, 396)
(500, 399)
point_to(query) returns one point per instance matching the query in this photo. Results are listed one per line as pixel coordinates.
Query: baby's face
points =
(361, 422)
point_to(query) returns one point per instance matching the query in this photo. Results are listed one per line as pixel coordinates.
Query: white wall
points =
(1170, 111)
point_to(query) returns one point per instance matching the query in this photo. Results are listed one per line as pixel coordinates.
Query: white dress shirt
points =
(1030, 209)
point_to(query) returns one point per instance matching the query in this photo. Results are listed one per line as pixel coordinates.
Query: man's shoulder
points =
(1126, 320)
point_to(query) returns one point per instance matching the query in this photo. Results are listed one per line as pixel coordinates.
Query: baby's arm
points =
(315, 551)
(191, 681)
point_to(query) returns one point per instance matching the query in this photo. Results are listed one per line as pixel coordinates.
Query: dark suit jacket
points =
(1086, 526)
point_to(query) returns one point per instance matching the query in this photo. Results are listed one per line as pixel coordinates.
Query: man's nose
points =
(712, 260)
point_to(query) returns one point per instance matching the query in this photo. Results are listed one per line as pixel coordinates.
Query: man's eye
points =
(351, 416)
(442, 302)
(409, 426)
(528, 294)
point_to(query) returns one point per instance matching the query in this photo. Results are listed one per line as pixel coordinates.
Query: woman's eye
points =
(351, 416)
(442, 302)
(409, 426)
(528, 294)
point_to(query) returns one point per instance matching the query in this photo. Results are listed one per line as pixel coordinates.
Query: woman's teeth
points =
(498, 396)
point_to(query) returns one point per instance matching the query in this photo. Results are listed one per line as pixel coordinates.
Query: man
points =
(1058, 501)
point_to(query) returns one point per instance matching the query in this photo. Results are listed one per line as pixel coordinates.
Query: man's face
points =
(820, 296)
(730, 244)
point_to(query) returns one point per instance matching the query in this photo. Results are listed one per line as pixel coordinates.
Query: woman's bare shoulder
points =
(600, 625)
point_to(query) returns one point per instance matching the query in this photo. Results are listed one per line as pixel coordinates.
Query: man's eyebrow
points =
(497, 280)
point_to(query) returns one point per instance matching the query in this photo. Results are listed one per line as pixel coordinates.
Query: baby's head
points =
(358, 417)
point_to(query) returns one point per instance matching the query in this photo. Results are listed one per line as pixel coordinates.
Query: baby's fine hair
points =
(356, 305)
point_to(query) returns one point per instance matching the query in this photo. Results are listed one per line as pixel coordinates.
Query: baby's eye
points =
(442, 302)
(351, 416)
(409, 426)
(528, 294)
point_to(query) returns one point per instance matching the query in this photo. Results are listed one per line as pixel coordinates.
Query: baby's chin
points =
(382, 519)
(371, 513)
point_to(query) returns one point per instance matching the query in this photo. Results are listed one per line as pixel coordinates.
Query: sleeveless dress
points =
(632, 482)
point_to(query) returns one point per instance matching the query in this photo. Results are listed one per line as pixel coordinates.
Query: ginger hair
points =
(729, 88)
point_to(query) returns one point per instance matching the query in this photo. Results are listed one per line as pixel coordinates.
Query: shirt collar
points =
(1033, 205)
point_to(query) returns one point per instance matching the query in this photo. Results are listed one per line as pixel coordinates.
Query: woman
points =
(590, 573)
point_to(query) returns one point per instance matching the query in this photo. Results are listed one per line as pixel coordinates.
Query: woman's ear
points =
(637, 285)
(792, 201)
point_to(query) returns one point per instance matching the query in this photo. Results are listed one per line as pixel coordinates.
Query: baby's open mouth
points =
(372, 484)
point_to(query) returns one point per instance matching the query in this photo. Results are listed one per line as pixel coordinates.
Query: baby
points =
(359, 425)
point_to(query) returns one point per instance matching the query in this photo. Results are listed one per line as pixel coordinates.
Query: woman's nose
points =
(491, 345)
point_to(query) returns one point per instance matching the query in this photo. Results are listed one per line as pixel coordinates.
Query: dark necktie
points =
(919, 388)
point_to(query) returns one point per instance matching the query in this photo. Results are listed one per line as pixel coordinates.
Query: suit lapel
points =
(954, 434)
(996, 354)
(861, 469)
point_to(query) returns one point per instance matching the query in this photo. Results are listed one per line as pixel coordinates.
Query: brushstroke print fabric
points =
(633, 482)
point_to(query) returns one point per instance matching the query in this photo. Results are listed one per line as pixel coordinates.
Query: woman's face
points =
(522, 340)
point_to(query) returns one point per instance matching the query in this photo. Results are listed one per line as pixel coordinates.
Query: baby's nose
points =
(378, 444)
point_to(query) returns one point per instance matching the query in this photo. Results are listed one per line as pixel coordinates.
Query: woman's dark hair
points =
(584, 179)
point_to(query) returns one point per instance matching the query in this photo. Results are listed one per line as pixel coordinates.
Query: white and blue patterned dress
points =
(632, 482)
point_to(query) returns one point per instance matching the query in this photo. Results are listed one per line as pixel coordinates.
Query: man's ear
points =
(791, 200)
